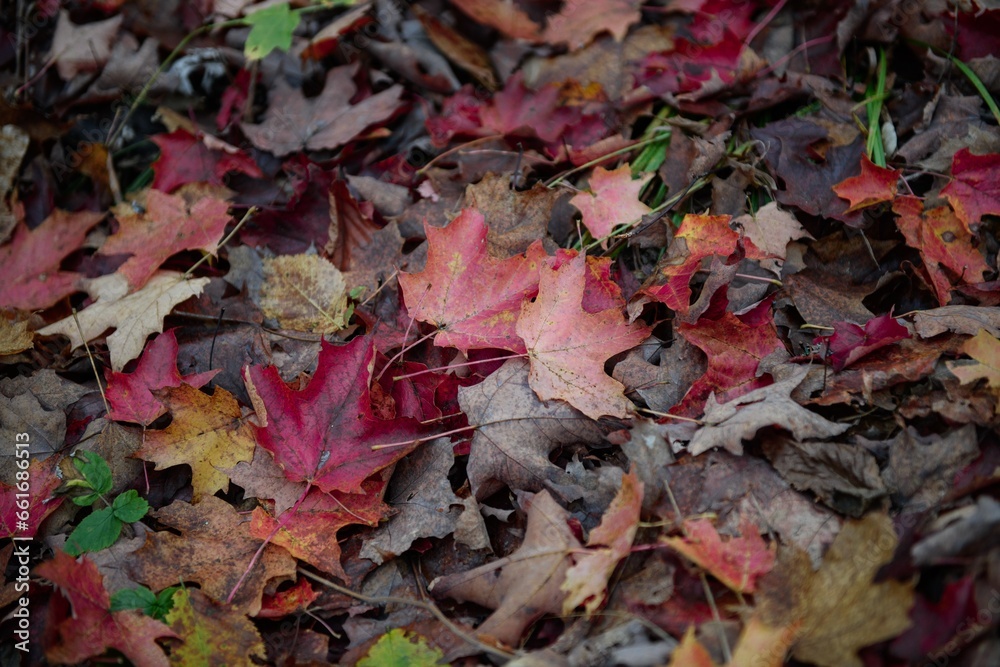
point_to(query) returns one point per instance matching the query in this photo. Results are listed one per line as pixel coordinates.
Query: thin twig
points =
(93, 364)
(250, 212)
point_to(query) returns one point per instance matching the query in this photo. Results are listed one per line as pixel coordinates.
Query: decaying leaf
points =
(304, 293)
(212, 633)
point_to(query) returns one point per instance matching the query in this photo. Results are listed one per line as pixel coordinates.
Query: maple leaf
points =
(213, 634)
(473, 298)
(840, 608)
(323, 434)
(520, 111)
(289, 600)
(985, 349)
(738, 562)
(207, 433)
(517, 432)
(169, 224)
(29, 265)
(92, 628)
(943, 242)
(695, 71)
(43, 480)
(613, 201)
(308, 530)
(735, 350)
(304, 293)
(975, 188)
(506, 17)
(567, 346)
(133, 316)
(698, 237)
(211, 546)
(727, 425)
(294, 122)
(771, 229)
(873, 186)
(130, 394)
(587, 579)
(850, 342)
(185, 158)
(525, 585)
(579, 22)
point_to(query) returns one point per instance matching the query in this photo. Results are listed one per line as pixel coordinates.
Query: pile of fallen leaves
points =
(464, 331)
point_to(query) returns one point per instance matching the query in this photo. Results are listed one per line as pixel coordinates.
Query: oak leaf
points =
(728, 424)
(133, 316)
(525, 585)
(29, 265)
(213, 634)
(738, 562)
(189, 220)
(81, 624)
(613, 200)
(207, 433)
(294, 122)
(323, 433)
(587, 579)
(840, 608)
(210, 545)
(473, 298)
(873, 185)
(975, 190)
(130, 394)
(567, 346)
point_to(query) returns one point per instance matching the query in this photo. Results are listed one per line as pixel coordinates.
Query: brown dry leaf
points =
(427, 507)
(968, 320)
(845, 477)
(728, 424)
(517, 432)
(213, 634)
(661, 380)
(293, 122)
(985, 349)
(214, 549)
(466, 54)
(207, 433)
(262, 478)
(921, 469)
(373, 263)
(304, 293)
(516, 219)
(14, 336)
(133, 316)
(13, 144)
(771, 229)
(82, 48)
(525, 585)
(841, 608)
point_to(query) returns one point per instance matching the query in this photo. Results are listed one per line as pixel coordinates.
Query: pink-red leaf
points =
(323, 433)
(612, 201)
(850, 342)
(737, 562)
(975, 190)
(185, 158)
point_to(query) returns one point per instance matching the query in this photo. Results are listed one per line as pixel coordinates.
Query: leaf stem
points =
(462, 365)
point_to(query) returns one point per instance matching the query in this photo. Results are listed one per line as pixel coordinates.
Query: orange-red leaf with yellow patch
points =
(473, 298)
(567, 346)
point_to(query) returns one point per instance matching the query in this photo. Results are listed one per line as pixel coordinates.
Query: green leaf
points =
(270, 29)
(98, 531)
(133, 598)
(157, 605)
(96, 476)
(129, 507)
(394, 649)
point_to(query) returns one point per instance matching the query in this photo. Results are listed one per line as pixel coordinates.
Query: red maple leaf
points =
(43, 480)
(873, 185)
(850, 342)
(567, 346)
(975, 190)
(944, 243)
(29, 265)
(698, 237)
(695, 69)
(323, 433)
(735, 349)
(473, 298)
(168, 225)
(613, 201)
(520, 111)
(130, 394)
(92, 628)
(737, 563)
(185, 158)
